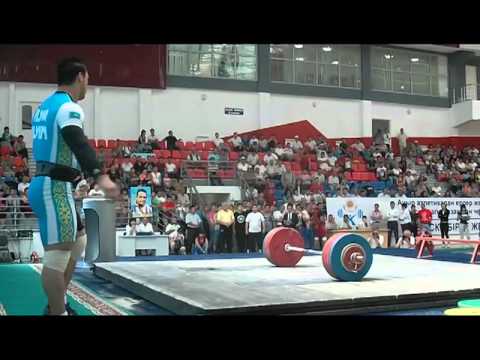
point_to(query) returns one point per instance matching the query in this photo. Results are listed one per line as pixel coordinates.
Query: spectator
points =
(290, 219)
(393, 216)
(171, 141)
(269, 156)
(23, 185)
(236, 142)
(378, 138)
(252, 159)
(240, 215)
(143, 143)
(289, 181)
(131, 229)
(331, 223)
(218, 141)
(255, 227)
(443, 215)
(425, 219)
(243, 166)
(376, 217)
(193, 156)
(311, 145)
(175, 237)
(463, 217)
(96, 191)
(6, 136)
(201, 244)
(153, 139)
(213, 227)
(364, 225)
(254, 144)
(156, 179)
(145, 227)
(20, 147)
(171, 169)
(296, 144)
(346, 223)
(405, 218)
(225, 219)
(194, 223)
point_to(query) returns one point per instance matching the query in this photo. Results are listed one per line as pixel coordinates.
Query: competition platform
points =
(252, 284)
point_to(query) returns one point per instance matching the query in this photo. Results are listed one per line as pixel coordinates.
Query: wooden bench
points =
(423, 240)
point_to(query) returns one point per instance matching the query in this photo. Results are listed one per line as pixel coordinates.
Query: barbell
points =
(345, 256)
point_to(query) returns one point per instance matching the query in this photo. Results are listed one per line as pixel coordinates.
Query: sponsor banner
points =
(355, 208)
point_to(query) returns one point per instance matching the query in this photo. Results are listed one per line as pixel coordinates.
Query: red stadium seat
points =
(101, 144)
(233, 156)
(162, 145)
(185, 154)
(180, 145)
(210, 146)
(112, 144)
(177, 154)
(5, 150)
(157, 153)
(297, 173)
(313, 165)
(348, 176)
(296, 166)
(261, 156)
(189, 145)
(203, 155)
(199, 146)
(92, 142)
(288, 165)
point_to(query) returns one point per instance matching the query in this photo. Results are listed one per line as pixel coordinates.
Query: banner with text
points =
(355, 208)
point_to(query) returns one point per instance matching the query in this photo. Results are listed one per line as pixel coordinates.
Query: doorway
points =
(383, 125)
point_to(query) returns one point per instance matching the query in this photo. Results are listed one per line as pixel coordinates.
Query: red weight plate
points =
(274, 247)
(327, 249)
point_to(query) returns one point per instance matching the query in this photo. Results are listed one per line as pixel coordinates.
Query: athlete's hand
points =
(110, 189)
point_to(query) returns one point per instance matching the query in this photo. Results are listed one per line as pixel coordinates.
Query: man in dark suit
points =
(290, 219)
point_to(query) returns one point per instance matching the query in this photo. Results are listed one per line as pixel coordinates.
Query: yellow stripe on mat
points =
(462, 312)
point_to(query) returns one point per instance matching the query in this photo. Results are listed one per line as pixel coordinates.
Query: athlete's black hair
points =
(68, 69)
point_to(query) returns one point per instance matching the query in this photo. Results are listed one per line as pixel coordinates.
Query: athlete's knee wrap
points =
(79, 247)
(57, 259)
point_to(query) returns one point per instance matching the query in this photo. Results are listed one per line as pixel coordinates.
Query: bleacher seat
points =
(180, 145)
(189, 145)
(92, 142)
(261, 156)
(295, 166)
(101, 144)
(313, 165)
(177, 154)
(209, 146)
(185, 154)
(112, 144)
(162, 145)
(199, 146)
(203, 155)
(233, 156)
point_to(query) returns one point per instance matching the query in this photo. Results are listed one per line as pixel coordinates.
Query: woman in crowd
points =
(443, 215)
(463, 217)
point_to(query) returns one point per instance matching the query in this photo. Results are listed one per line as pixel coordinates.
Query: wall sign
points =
(233, 111)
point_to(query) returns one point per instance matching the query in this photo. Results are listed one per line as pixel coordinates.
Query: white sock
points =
(65, 297)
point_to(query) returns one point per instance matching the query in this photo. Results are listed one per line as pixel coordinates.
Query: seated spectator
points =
(269, 156)
(171, 169)
(131, 229)
(236, 142)
(153, 140)
(263, 144)
(364, 225)
(175, 237)
(334, 181)
(6, 136)
(289, 181)
(262, 169)
(254, 144)
(296, 145)
(252, 159)
(24, 184)
(358, 146)
(156, 178)
(193, 156)
(127, 166)
(20, 148)
(145, 227)
(382, 172)
(218, 141)
(201, 245)
(143, 142)
(96, 191)
(287, 153)
(331, 223)
(311, 145)
(243, 166)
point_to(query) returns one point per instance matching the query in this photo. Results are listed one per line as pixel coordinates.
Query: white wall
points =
(420, 121)
(333, 117)
(113, 112)
(184, 112)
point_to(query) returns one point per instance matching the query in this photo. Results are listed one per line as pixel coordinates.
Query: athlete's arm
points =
(78, 143)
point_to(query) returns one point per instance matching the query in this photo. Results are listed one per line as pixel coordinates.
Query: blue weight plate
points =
(344, 265)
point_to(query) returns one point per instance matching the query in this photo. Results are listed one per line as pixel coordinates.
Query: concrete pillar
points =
(366, 117)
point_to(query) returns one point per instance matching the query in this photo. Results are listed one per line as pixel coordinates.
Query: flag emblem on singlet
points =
(74, 115)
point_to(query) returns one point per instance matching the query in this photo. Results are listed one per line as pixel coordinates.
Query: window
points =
(319, 65)
(409, 72)
(225, 61)
(27, 112)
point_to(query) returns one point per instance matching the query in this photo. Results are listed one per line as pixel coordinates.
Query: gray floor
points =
(255, 286)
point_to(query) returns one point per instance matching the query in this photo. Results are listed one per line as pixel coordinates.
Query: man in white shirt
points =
(96, 191)
(296, 144)
(261, 168)
(333, 181)
(393, 216)
(171, 168)
(145, 226)
(153, 139)
(384, 194)
(236, 142)
(194, 222)
(382, 172)
(23, 185)
(243, 166)
(217, 140)
(127, 167)
(311, 144)
(279, 152)
(359, 146)
(402, 141)
(269, 156)
(254, 229)
(252, 158)
(322, 156)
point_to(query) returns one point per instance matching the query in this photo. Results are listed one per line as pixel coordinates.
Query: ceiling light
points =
(414, 59)
(298, 46)
(299, 59)
(327, 48)
(335, 62)
(402, 87)
(388, 56)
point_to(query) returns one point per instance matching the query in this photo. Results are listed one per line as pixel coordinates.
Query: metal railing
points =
(466, 93)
